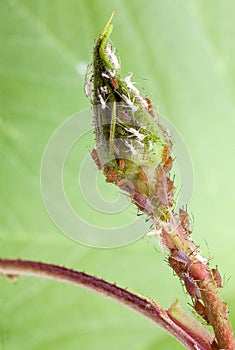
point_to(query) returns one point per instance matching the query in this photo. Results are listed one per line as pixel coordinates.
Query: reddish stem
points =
(146, 307)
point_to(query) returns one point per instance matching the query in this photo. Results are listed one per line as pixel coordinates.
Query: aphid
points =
(111, 73)
(161, 244)
(158, 233)
(129, 103)
(131, 148)
(175, 265)
(88, 88)
(191, 286)
(121, 164)
(167, 241)
(217, 277)
(115, 83)
(96, 159)
(167, 151)
(89, 80)
(168, 164)
(200, 309)
(161, 186)
(161, 193)
(110, 52)
(102, 101)
(184, 221)
(135, 133)
(215, 346)
(181, 257)
(112, 176)
(105, 75)
(199, 271)
(225, 308)
(150, 107)
(170, 190)
(130, 84)
(179, 261)
(105, 170)
(164, 187)
(104, 90)
(149, 103)
(12, 277)
(143, 176)
(142, 202)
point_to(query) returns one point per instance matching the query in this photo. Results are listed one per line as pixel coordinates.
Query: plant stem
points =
(148, 308)
(198, 271)
(140, 164)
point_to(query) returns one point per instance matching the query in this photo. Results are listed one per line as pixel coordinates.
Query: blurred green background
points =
(182, 52)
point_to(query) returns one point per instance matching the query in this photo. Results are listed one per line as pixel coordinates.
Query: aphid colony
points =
(134, 153)
(191, 272)
(132, 147)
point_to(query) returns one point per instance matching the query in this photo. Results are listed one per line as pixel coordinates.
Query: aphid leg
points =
(184, 221)
(217, 277)
(114, 83)
(121, 164)
(200, 310)
(191, 286)
(96, 159)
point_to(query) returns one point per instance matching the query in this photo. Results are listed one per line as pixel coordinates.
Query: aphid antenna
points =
(139, 212)
(152, 227)
(185, 207)
(173, 177)
(226, 280)
(166, 261)
(208, 251)
(88, 87)
(192, 220)
(196, 250)
(192, 306)
(199, 317)
(177, 191)
(89, 71)
(148, 218)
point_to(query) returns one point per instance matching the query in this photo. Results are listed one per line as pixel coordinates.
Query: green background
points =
(182, 52)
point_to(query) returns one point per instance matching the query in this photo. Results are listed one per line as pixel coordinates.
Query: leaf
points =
(185, 50)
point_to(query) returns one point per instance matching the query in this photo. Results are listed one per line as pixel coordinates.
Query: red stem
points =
(147, 308)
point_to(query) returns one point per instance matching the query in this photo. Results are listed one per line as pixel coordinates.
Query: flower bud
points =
(132, 146)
